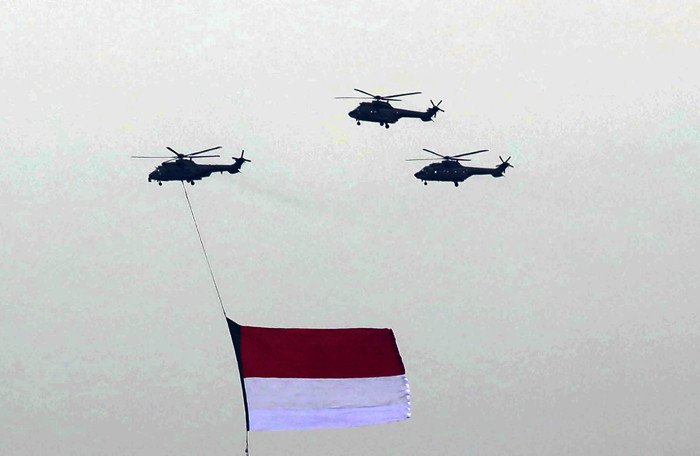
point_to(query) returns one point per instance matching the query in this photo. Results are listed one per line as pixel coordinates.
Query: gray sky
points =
(553, 311)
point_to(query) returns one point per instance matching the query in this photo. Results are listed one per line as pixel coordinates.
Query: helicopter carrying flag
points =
(183, 168)
(295, 378)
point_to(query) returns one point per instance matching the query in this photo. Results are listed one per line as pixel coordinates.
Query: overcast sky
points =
(552, 311)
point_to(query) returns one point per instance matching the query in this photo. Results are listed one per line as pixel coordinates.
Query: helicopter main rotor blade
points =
(401, 94)
(174, 151)
(354, 98)
(205, 150)
(145, 156)
(207, 156)
(470, 153)
(366, 93)
(421, 159)
(434, 153)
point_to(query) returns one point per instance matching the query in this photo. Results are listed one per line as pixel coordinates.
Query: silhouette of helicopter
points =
(379, 110)
(183, 168)
(449, 169)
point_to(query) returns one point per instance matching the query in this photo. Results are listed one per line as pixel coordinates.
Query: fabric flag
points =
(295, 378)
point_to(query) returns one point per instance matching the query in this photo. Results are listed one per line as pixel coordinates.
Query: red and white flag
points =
(320, 378)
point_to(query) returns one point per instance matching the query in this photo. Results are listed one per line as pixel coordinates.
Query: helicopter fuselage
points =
(384, 114)
(189, 171)
(452, 171)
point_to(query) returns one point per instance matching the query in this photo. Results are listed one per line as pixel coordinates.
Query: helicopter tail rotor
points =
(503, 166)
(237, 164)
(241, 159)
(432, 111)
(505, 162)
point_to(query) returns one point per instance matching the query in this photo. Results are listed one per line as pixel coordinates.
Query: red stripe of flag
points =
(319, 353)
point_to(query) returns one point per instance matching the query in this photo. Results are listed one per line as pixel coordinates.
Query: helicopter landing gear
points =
(358, 122)
(191, 182)
(160, 183)
(386, 125)
(456, 184)
(425, 182)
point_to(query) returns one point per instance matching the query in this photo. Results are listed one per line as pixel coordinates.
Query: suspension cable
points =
(216, 287)
(206, 257)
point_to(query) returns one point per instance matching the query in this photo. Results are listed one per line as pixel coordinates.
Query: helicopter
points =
(183, 168)
(450, 170)
(379, 110)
